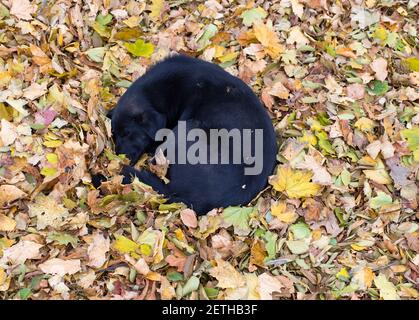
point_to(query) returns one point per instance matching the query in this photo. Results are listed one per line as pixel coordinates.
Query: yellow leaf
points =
(179, 234)
(4, 281)
(52, 158)
(5, 77)
(343, 273)
(279, 210)
(381, 34)
(124, 245)
(308, 138)
(6, 223)
(295, 183)
(156, 9)
(2, 276)
(368, 277)
(379, 176)
(53, 143)
(412, 63)
(365, 124)
(228, 57)
(363, 278)
(48, 172)
(146, 250)
(357, 247)
(346, 52)
(132, 22)
(257, 254)
(5, 112)
(268, 38)
(153, 276)
(227, 275)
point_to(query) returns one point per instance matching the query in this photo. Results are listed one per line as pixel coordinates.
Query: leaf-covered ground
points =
(339, 219)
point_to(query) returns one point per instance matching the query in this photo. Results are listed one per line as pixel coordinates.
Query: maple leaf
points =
(252, 16)
(295, 183)
(47, 211)
(281, 211)
(227, 275)
(140, 48)
(268, 38)
(239, 218)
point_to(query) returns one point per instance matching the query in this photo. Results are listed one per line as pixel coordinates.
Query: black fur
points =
(205, 96)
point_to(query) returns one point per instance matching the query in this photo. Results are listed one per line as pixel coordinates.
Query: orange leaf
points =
(346, 52)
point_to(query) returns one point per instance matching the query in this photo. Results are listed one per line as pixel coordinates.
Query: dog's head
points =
(134, 125)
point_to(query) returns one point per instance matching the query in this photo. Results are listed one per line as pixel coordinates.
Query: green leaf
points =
(4, 12)
(323, 118)
(63, 238)
(297, 246)
(300, 230)
(104, 20)
(380, 200)
(140, 48)
(346, 177)
(190, 286)
(289, 56)
(96, 54)
(324, 143)
(309, 100)
(270, 244)
(130, 197)
(123, 83)
(253, 15)
(170, 206)
(311, 85)
(387, 289)
(239, 218)
(212, 293)
(174, 276)
(210, 31)
(24, 293)
(102, 30)
(379, 88)
(412, 63)
(412, 137)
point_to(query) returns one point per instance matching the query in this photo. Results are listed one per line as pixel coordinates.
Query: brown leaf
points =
(10, 193)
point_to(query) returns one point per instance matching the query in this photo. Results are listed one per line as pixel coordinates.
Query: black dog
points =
(205, 96)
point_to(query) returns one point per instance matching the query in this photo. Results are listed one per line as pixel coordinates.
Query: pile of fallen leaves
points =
(339, 219)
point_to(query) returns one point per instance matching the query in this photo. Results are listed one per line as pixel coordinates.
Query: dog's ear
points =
(110, 113)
